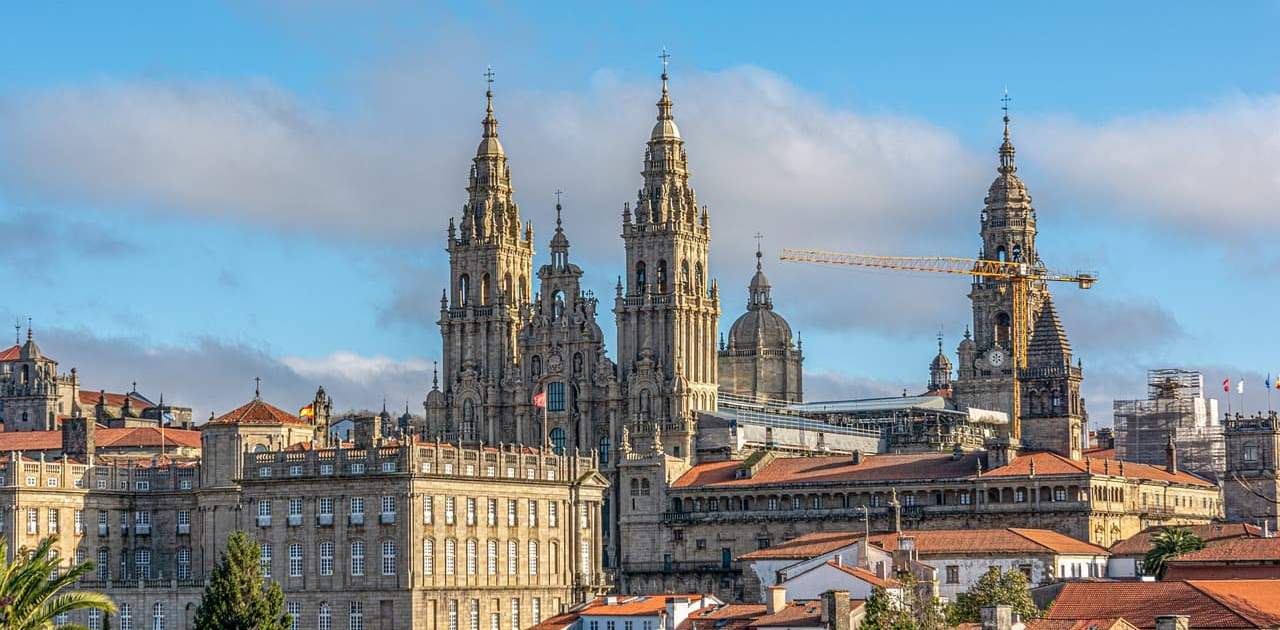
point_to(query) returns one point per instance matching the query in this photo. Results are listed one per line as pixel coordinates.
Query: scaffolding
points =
(1175, 406)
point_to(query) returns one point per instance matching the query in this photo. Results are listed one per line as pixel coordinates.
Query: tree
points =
(31, 597)
(237, 596)
(995, 587)
(1169, 543)
(904, 609)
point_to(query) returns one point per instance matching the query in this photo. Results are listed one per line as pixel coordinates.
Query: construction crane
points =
(1020, 276)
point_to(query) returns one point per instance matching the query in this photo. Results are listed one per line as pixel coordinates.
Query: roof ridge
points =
(1019, 532)
(1233, 607)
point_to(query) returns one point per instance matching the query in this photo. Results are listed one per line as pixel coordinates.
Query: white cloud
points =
(356, 368)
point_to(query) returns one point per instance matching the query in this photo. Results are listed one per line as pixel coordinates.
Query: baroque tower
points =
(761, 361)
(667, 312)
(490, 263)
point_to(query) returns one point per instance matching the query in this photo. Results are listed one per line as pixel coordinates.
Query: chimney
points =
(1001, 618)
(1173, 622)
(78, 437)
(777, 599)
(367, 431)
(836, 610)
(856, 457)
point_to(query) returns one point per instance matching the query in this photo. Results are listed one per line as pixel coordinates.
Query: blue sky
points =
(200, 193)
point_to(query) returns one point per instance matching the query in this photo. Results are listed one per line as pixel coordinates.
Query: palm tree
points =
(1168, 544)
(31, 597)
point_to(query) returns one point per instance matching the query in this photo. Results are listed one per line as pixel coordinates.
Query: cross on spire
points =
(558, 193)
(257, 388)
(666, 60)
(759, 252)
(17, 331)
(1004, 100)
(488, 75)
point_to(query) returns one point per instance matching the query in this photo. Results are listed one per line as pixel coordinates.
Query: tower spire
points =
(490, 122)
(664, 104)
(1007, 165)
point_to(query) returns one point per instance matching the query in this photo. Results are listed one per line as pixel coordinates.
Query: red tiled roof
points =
(1112, 623)
(558, 622)
(1210, 603)
(940, 541)
(12, 353)
(257, 412)
(1139, 543)
(90, 398)
(864, 575)
(1049, 464)
(629, 606)
(103, 437)
(1101, 453)
(785, 470)
(797, 613)
(726, 617)
(1235, 550)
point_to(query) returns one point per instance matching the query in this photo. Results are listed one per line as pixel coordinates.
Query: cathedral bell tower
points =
(667, 312)
(490, 262)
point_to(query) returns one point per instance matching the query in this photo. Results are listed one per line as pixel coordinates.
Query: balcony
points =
(184, 529)
(684, 566)
(264, 521)
(387, 518)
(295, 520)
(324, 520)
(142, 529)
(356, 519)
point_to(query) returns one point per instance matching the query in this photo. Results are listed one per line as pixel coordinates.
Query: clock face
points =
(996, 358)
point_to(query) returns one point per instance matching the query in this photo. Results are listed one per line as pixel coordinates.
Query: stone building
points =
(375, 534)
(761, 362)
(1251, 484)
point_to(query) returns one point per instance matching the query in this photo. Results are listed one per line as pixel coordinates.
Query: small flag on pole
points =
(1226, 385)
(1240, 387)
(1277, 382)
(540, 400)
(307, 412)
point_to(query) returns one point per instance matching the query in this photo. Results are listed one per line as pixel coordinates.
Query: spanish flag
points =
(307, 412)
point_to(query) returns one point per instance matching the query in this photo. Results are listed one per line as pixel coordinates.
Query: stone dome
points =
(940, 362)
(762, 324)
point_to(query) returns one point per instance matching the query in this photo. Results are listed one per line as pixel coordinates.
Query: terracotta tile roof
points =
(796, 613)
(257, 412)
(1139, 543)
(726, 617)
(864, 575)
(1049, 464)
(131, 437)
(930, 542)
(89, 398)
(11, 353)
(639, 605)
(1101, 453)
(1210, 603)
(1235, 550)
(558, 622)
(785, 470)
(1111, 623)
(806, 546)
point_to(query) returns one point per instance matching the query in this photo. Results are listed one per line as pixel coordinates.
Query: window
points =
(553, 514)
(102, 522)
(126, 617)
(1250, 452)
(295, 507)
(471, 557)
(357, 557)
(1020, 495)
(326, 506)
(388, 557)
(474, 617)
(324, 620)
(33, 520)
(357, 506)
(555, 396)
(965, 498)
(356, 616)
(184, 519)
(453, 614)
(491, 557)
(537, 610)
(77, 521)
(95, 619)
(184, 563)
(1059, 494)
(449, 505)
(533, 557)
(389, 505)
(953, 574)
(909, 500)
(104, 556)
(583, 520)
(266, 559)
(326, 558)
(450, 552)
(495, 620)
(53, 520)
(586, 556)
(264, 508)
(515, 613)
(428, 556)
(157, 616)
(492, 514)
(533, 513)
(511, 513)
(295, 612)
(295, 560)
(471, 511)
(513, 556)
(142, 559)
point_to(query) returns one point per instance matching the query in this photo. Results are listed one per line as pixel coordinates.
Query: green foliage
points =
(237, 596)
(995, 587)
(30, 597)
(907, 609)
(1172, 542)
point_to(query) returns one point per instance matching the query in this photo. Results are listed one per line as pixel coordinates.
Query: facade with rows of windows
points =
(379, 534)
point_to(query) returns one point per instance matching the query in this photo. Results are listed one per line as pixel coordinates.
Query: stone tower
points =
(761, 361)
(1251, 486)
(1052, 410)
(667, 311)
(940, 372)
(32, 393)
(490, 262)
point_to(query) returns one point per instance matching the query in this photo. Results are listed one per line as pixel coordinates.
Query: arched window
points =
(697, 275)
(524, 290)
(644, 402)
(557, 440)
(641, 278)
(1000, 254)
(644, 487)
(684, 275)
(506, 287)
(662, 276)
(468, 419)
(555, 396)
(484, 289)
(1002, 329)
(604, 450)
(464, 290)
(535, 366)
(635, 488)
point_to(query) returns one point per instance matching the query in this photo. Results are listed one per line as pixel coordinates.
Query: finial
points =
(135, 387)
(28, 329)
(435, 375)
(759, 252)
(488, 77)
(17, 331)
(1007, 166)
(490, 123)
(939, 340)
(558, 193)
(257, 388)
(666, 60)
(664, 103)
(967, 334)
(1004, 100)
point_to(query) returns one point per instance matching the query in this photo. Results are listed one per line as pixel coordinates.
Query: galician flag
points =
(1240, 387)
